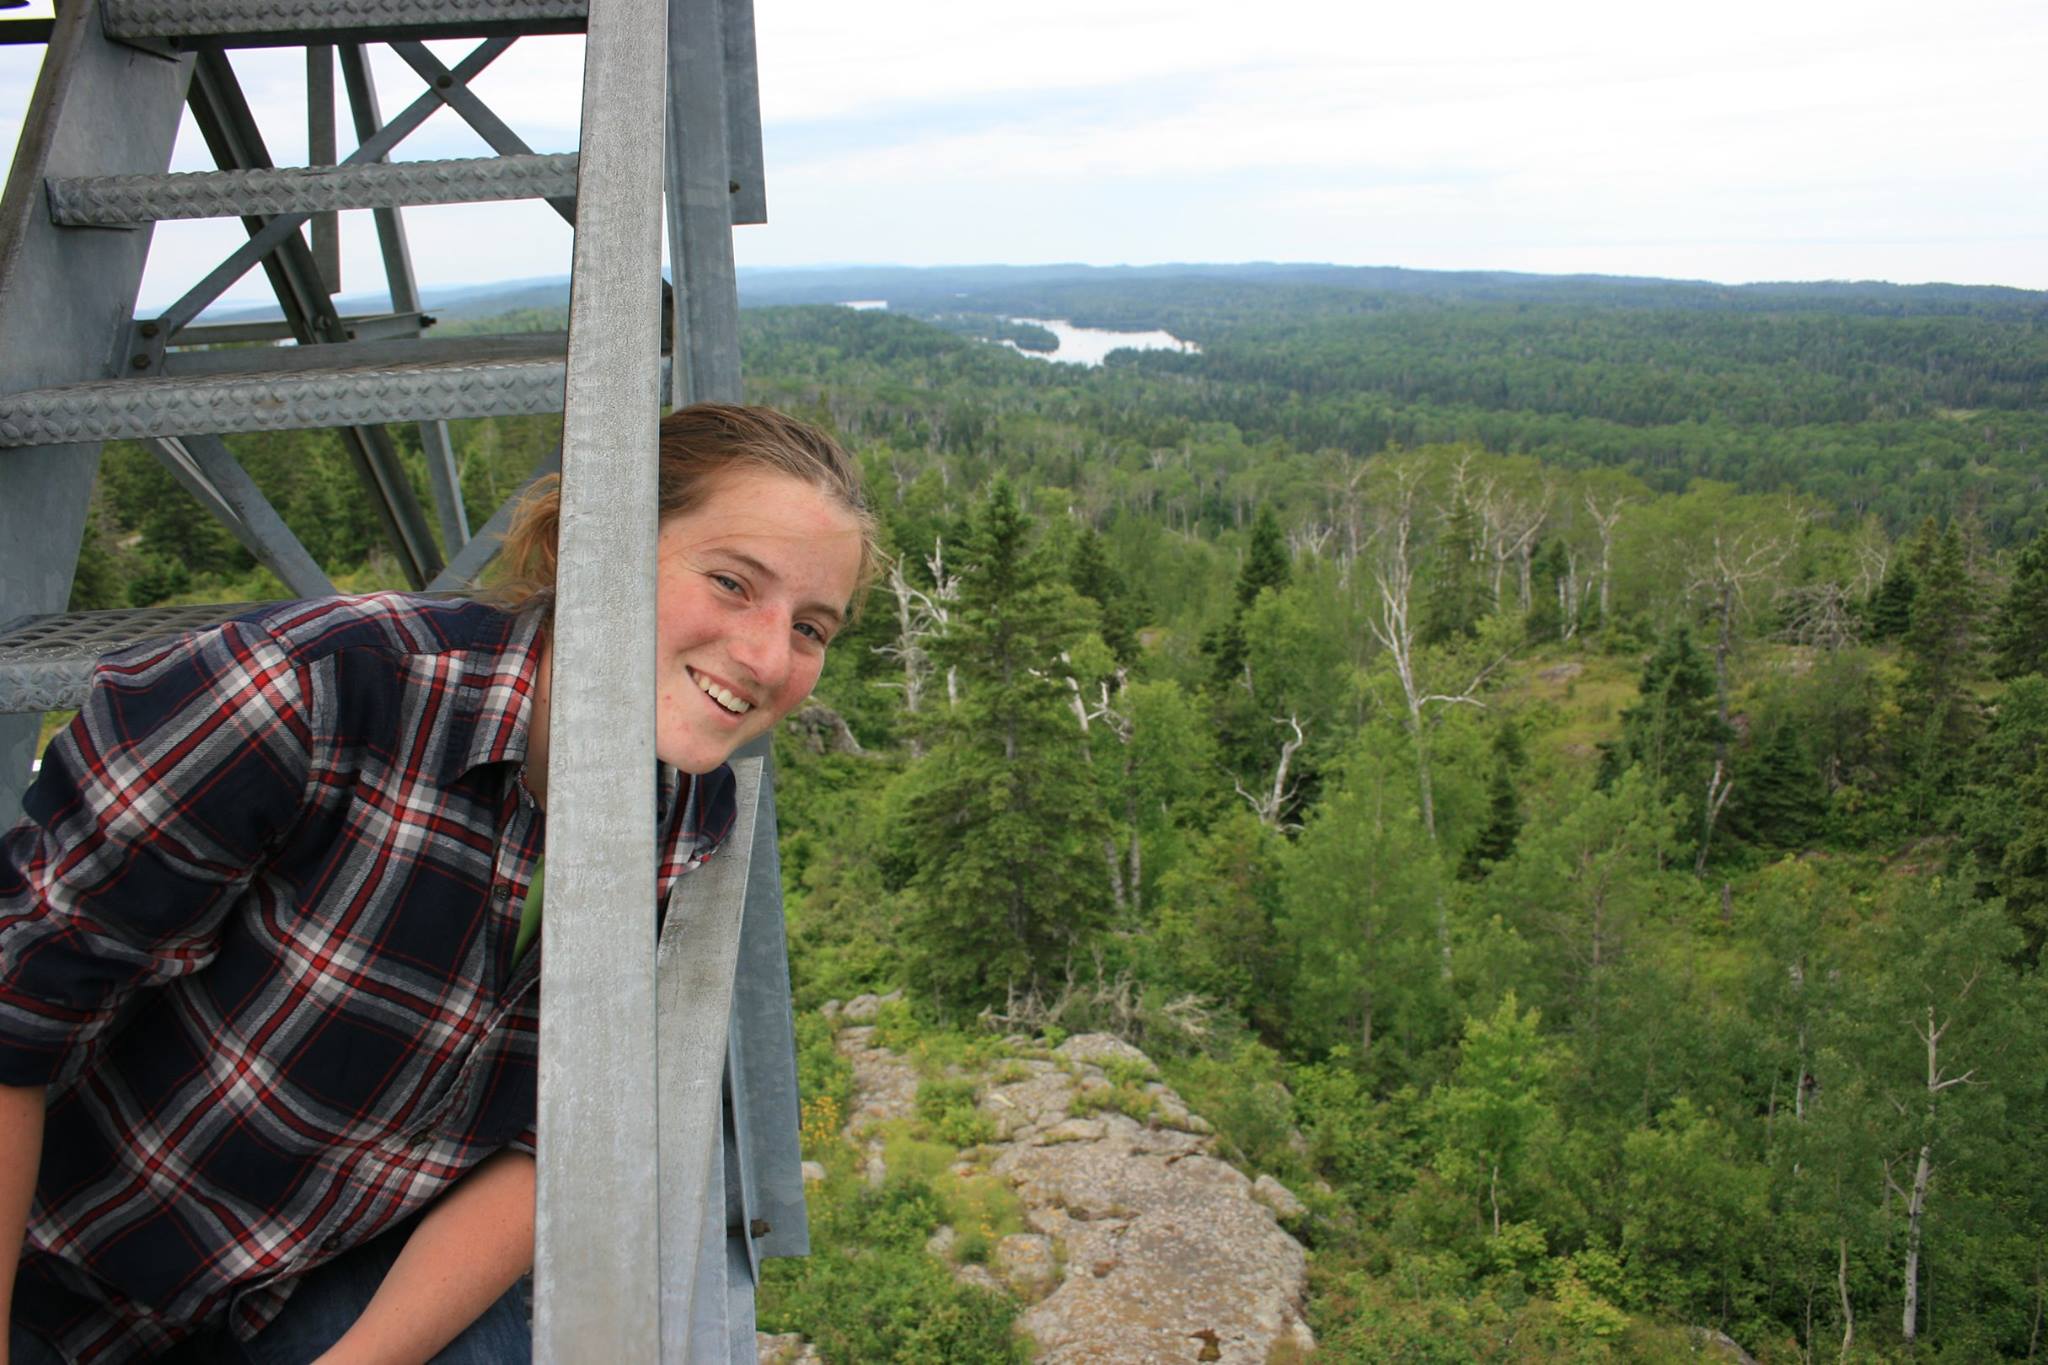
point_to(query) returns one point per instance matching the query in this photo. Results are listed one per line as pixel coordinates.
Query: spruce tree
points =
(2019, 633)
(1002, 828)
(1265, 560)
(1777, 801)
(1503, 824)
(1674, 730)
(1891, 606)
(1091, 574)
(1940, 647)
(1454, 602)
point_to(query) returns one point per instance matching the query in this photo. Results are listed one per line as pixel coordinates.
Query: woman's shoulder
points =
(395, 623)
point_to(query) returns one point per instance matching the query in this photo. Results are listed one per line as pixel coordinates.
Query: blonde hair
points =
(696, 444)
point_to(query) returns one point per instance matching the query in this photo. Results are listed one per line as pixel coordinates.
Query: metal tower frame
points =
(652, 1218)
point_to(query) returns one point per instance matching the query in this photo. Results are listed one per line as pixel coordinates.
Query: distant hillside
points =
(1169, 295)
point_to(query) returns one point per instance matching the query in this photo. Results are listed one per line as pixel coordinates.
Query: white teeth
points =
(723, 697)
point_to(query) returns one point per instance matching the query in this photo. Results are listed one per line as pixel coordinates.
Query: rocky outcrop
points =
(1141, 1246)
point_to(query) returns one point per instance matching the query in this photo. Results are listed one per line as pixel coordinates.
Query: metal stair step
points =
(126, 200)
(46, 662)
(295, 388)
(261, 23)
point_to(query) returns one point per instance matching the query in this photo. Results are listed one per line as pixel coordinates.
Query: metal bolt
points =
(140, 362)
(149, 329)
(443, 82)
(732, 187)
(759, 1227)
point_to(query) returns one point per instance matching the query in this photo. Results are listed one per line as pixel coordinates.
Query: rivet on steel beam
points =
(443, 82)
(759, 1227)
(732, 187)
(140, 362)
(149, 329)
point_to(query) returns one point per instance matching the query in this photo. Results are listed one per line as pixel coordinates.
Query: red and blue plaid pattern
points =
(256, 937)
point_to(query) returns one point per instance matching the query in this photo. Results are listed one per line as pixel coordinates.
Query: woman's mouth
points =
(726, 700)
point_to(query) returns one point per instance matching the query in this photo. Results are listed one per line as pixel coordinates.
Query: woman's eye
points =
(813, 632)
(726, 581)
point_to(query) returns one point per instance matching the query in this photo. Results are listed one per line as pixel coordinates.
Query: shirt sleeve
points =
(151, 813)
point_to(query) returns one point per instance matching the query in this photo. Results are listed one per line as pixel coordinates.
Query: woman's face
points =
(753, 583)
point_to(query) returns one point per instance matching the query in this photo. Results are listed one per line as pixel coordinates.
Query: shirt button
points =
(421, 1138)
(501, 893)
(331, 1243)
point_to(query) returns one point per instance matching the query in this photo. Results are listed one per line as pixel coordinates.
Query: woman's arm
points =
(21, 1146)
(468, 1249)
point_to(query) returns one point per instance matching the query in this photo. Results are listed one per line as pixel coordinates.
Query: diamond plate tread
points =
(127, 409)
(280, 20)
(121, 200)
(46, 662)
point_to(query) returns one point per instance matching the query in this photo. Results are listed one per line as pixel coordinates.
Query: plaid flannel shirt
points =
(256, 938)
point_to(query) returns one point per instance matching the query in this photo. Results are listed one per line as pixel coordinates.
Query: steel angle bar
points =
(744, 162)
(706, 342)
(762, 1066)
(320, 153)
(128, 409)
(369, 122)
(466, 567)
(366, 326)
(597, 1245)
(205, 466)
(118, 201)
(199, 296)
(97, 106)
(255, 23)
(698, 957)
(454, 91)
(224, 118)
(405, 297)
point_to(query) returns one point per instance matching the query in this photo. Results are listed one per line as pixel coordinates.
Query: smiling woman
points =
(268, 993)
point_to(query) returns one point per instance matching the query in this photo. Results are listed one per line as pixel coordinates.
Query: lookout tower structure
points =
(654, 1213)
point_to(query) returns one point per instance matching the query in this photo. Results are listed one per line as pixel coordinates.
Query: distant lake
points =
(1089, 345)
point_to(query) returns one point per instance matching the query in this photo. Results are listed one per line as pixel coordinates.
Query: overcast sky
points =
(1750, 140)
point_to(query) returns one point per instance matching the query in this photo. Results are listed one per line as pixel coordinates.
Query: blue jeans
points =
(325, 1305)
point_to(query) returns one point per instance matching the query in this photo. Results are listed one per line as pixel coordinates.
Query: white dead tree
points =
(1606, 516)
(1938, 1081)
(921, 617)
(1818, 615)
(1513, 522)
(1269, 805)
(1392, 623)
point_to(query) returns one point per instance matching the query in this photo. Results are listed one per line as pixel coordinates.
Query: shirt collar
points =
(497, 697)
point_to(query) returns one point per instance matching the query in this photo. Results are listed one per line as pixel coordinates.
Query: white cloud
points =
(1820, 138)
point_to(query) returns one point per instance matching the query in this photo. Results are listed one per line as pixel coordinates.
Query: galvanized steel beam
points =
(699, 953)
(259, 23)
(119, 201)
(700, 209)
(596, 1234)
(60, 293)
(127, 409)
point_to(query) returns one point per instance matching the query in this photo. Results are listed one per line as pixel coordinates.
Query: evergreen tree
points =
(1265, 560)
(1503, 808)
(1674, 730)
(1891, 606)
(1937, 709)
(1002, 829)
(1777, 801)
(1455, 600)
(2019, 633)
(1545, 621)
(1091, 574)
